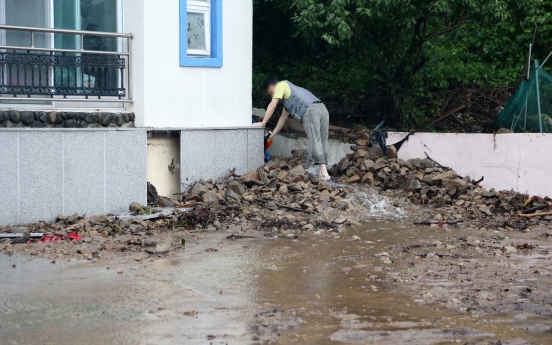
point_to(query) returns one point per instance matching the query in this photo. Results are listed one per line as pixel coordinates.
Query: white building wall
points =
(167, 95)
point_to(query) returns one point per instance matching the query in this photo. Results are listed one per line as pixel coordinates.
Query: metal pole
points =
(516, 119)
(545, 60)
(529, 62)
(538, 93)
(525, 121)
(129, 72)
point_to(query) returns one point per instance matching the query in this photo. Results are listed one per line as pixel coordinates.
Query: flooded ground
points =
(317, 289)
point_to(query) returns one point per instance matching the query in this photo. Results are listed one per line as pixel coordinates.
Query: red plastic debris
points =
(267, 143)
(54, 238)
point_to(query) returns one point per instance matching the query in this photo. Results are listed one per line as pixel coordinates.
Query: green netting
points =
(530, 109)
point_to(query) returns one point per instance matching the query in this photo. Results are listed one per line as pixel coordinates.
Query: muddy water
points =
(316, 289)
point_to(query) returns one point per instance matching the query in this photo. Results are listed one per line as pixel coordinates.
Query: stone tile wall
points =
(44, 173)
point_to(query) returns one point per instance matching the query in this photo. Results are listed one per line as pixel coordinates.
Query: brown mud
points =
(384, 282)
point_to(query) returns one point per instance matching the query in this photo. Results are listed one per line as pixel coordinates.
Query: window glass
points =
(88, 15)
(196, 31)
(99, 15)
(32, 13)
(199, 24)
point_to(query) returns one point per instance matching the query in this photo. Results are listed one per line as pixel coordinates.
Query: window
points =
(201, 33)
(199, 25)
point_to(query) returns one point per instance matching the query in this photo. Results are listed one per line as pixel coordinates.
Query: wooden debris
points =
(447, 114)
(536, 214)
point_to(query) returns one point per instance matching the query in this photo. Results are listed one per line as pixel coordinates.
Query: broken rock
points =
(294, 187)
(452, 185)
(414, 185)
(298, 170)
(211, 199)
(362, 154)
(447, 175)
(391, 152)
(353, 179)
(236, 187)
(343, 164)
(136, 207)
(250, 176)
(233, 195)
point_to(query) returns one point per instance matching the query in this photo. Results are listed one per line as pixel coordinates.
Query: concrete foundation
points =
(48, 172)
(507, 161)
(211, 153)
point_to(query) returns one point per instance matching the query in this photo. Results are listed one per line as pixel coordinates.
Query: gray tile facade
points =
(44, 173)
(210, 153)
(125, 173)
(40, 175)
(254, 159)
(83, 173)
(9, 178)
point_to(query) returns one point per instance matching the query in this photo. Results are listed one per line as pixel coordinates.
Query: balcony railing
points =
(27, 73)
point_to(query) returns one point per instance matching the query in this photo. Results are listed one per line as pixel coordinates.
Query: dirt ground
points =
(384, 281)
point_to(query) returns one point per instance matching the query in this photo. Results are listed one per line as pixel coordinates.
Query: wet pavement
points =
(315, 289)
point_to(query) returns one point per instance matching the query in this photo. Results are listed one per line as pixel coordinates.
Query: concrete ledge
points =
(67, 130)
(44, 173)
(183, 129)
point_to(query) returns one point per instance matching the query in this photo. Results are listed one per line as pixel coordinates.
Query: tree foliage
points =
(397, 50)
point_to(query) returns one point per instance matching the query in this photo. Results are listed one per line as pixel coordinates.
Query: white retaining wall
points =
(522, 162)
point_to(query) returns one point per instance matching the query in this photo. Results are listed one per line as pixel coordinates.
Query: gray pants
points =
(316, 121)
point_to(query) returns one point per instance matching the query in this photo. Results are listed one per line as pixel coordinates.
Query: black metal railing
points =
(27, 72)
(50, 75)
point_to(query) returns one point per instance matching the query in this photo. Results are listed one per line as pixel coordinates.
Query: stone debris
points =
(453, 199)
(279, 198)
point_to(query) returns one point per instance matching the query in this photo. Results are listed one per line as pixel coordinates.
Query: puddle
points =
(312, 290)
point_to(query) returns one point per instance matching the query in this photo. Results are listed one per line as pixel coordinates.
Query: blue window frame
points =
(215, 58)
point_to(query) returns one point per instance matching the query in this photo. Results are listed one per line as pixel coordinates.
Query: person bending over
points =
(308, 110)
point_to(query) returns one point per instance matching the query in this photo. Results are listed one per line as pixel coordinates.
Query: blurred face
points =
(270, 89)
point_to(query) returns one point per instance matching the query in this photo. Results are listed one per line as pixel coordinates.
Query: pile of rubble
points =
(279, 198)
(452, 197)
(282, 194)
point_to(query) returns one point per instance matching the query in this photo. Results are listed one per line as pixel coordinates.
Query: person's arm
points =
(281, 123)
(269, 111)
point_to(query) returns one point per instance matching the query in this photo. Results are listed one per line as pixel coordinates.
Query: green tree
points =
(401, 49)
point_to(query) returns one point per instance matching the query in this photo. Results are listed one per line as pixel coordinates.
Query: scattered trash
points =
(54, 238)
(18, 235)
